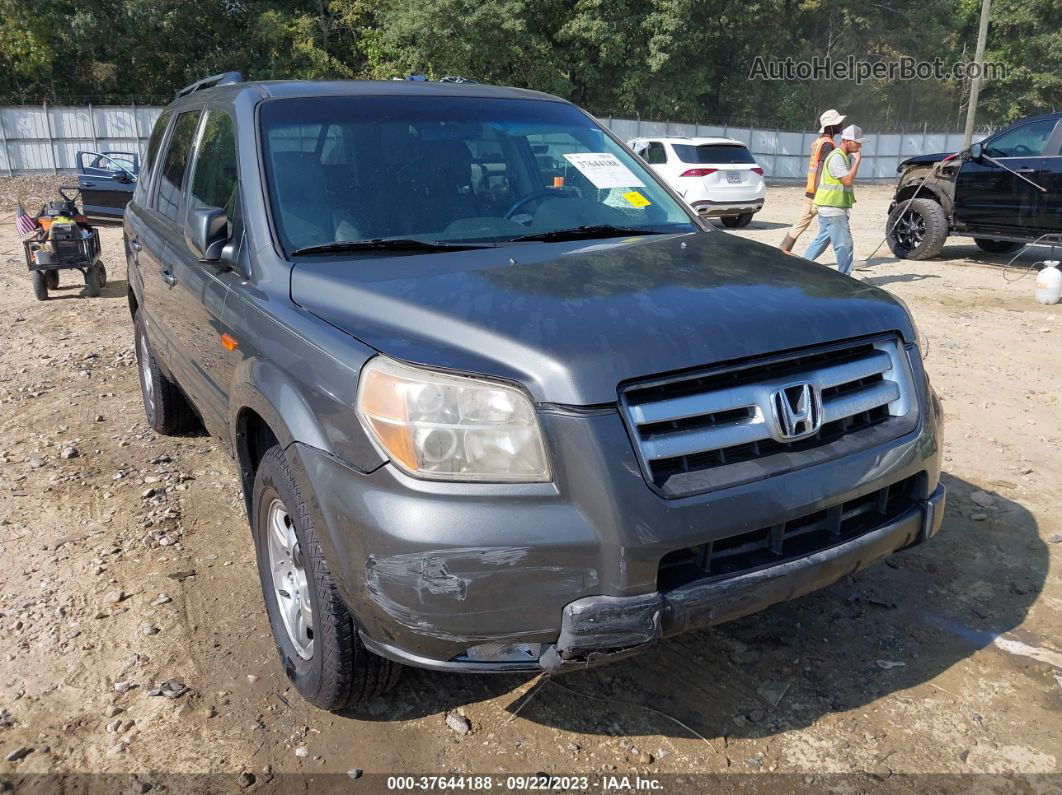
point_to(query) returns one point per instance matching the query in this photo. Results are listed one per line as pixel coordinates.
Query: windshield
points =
(449, 170)
(717, 154)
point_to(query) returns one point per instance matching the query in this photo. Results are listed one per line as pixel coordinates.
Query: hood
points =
(925, 160)
(570, 321)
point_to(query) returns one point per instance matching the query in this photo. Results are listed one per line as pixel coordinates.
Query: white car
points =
(718, 177)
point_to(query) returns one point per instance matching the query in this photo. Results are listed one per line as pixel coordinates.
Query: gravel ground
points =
(32, 191)
(133, 636)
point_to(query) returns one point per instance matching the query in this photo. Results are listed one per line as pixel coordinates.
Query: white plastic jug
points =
(1049, 283)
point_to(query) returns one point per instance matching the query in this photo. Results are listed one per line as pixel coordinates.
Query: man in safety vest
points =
(829, 126)
(835, 197)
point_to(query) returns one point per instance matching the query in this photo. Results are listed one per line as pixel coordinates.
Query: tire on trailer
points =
(166, 407)
(996, 246)
(916, 229)
(92, 282)
(40, 285)
(316, 636)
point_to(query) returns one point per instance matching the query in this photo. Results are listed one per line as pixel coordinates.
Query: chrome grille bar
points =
(730, 415)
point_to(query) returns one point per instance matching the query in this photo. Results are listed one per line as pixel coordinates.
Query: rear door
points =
(196, 299)
(160, 227)
(989, 197)
(107, 181)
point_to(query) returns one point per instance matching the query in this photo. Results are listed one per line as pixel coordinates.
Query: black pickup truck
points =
(1005, 192)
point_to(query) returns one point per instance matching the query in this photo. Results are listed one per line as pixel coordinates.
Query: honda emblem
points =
(797, 412)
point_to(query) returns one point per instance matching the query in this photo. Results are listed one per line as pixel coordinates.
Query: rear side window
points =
(214, 181)
(656, 154)
(168, 199)
(155, 141)
(716, 154)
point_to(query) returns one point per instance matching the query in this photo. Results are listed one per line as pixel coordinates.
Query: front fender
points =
(292, 415)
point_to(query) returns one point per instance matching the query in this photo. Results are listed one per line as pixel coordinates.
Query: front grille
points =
(796, 538)
(722, 417)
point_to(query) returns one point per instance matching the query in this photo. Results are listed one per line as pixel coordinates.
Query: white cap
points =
(830, 118)
(852, 133)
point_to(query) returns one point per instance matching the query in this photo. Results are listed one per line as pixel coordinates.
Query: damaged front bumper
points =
(601, 629)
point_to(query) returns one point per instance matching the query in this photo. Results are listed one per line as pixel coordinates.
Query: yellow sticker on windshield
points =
(636, 199)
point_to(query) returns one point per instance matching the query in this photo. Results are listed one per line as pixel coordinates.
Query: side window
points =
(657, 154)
(214, 179)
(168, 198)
(1025, 141)
(154, 142)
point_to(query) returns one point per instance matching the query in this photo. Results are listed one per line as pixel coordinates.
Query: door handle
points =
(88, 184)
(1025, 170)
(168, 277)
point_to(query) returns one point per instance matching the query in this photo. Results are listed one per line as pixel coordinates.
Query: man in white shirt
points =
(835, 196)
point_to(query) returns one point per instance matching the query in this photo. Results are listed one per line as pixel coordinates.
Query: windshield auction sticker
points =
(604, 170)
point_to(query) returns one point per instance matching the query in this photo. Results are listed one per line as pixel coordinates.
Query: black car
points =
(490, 417)
(1004, 192)
(106, 181)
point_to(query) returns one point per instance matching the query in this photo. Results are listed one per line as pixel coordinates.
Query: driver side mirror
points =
(207, 233)
(121, 176)
(977, 152)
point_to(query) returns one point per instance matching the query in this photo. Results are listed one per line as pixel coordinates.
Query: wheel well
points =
(253, 438)
(908, 191)
(133, 305)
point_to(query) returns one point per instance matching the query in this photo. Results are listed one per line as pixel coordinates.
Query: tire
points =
(166, 407)
(40, 285)
(92, 282)
(917, 231)
(52, 279)
(321, 652)
(103, 273)
(996, 246)
(737, 221)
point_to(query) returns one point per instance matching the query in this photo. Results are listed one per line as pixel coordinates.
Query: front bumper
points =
(600, 629)
(431, 570)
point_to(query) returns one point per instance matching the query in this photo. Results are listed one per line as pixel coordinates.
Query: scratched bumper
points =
(432, 569)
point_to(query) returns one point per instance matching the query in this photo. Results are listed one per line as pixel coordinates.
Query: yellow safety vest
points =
(832, 192)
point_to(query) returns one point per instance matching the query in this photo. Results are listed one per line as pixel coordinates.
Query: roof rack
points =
(223, 79)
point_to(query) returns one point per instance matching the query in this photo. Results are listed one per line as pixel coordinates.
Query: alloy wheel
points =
(289, 579)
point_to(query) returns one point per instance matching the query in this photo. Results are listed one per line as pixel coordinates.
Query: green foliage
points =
(662, 59)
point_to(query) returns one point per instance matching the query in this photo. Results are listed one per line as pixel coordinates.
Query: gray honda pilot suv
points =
(499, 400)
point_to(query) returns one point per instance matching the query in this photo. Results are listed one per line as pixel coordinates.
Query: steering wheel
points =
(538, 194)
(1021, 150)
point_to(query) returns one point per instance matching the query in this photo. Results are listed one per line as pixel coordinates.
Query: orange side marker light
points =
(229, 343)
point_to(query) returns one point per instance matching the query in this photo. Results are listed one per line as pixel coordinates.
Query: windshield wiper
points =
(387, 244)
(586, 232)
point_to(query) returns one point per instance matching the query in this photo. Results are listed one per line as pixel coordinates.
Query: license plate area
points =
(733, 177)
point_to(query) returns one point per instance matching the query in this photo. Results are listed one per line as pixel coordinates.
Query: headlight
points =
(446, 427)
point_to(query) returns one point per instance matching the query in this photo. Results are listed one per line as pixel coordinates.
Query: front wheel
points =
(315, 635)
(917, 229)
(996, 246)
(40, 285)
(737, 221)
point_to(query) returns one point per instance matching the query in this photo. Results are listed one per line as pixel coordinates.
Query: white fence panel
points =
(38, 140)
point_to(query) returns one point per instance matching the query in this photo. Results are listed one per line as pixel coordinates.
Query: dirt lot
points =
(126, 562)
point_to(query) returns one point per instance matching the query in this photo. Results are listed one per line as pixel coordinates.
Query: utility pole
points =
(975, 83)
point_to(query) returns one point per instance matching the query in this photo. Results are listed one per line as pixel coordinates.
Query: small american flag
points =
(25, 222)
